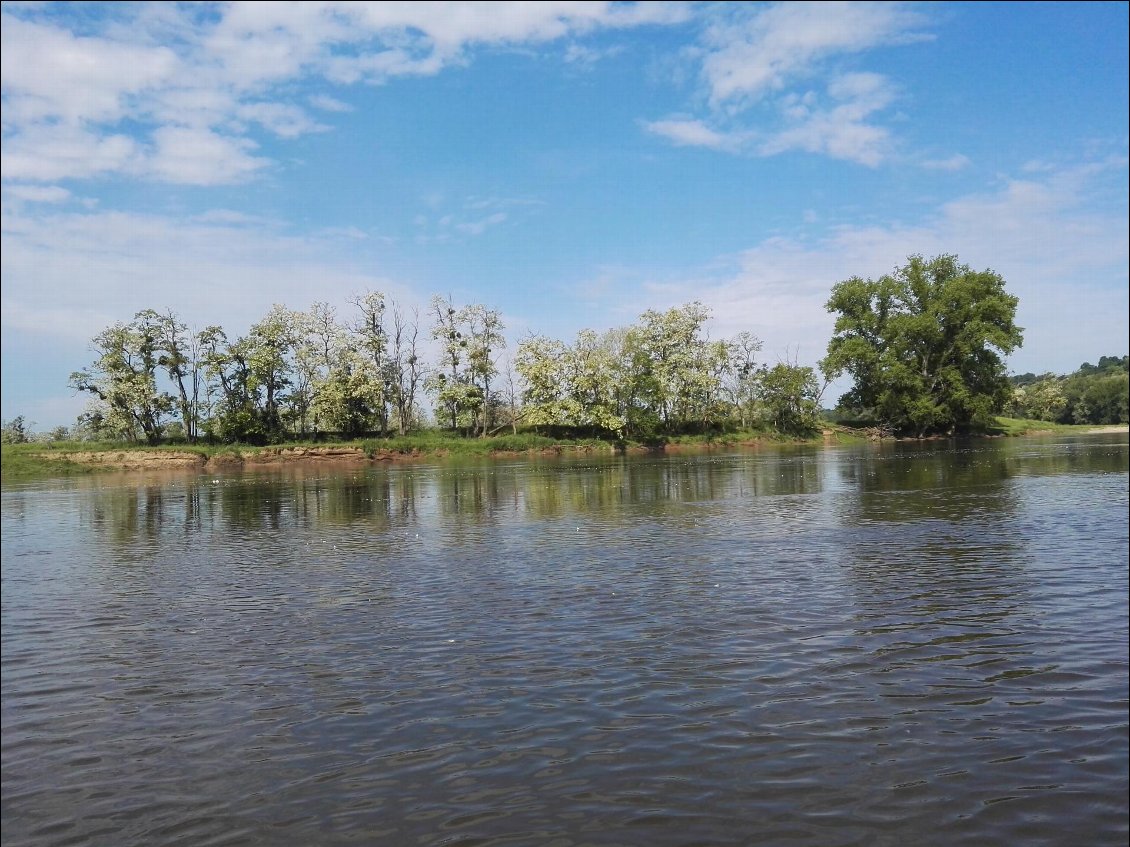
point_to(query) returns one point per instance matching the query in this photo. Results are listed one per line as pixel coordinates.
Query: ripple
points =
(621, 652)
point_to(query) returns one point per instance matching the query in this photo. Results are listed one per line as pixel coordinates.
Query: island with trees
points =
(925, 347)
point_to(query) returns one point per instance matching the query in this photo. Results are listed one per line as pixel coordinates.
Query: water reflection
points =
(975, 486)
(884, 644)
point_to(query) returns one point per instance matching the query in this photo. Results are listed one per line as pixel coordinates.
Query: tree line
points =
(1093, 394)
(662, 374)
(294, 373)
(311, 374)
(925, 347)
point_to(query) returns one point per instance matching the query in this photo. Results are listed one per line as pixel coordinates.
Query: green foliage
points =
(742, 377)
(789, 398)
(468, 338)
(310, 375)
(1098, 395)
(925, 345)
(123, 378)
(15, 431)
(1094, 394)
(1041, 399)
(683, 371)
(660, 376)
(1106, 365)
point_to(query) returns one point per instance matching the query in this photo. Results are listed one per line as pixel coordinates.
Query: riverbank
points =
(65, 458)
(21, 461)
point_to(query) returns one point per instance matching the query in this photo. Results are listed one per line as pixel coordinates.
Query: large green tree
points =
(788, 397)
(252, 374)
(925, 345)
(124, 378)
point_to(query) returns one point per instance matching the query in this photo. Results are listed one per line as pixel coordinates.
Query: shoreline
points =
(46, 462)
(142, 458)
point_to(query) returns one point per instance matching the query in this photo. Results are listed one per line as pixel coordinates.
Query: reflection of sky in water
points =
(935, 634)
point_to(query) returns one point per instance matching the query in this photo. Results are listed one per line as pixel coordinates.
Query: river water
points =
(878, 645)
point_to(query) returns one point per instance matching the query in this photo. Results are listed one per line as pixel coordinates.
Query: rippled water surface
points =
(897, 644)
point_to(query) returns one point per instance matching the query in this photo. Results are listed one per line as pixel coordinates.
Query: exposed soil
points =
(169, 459)
(132, 459)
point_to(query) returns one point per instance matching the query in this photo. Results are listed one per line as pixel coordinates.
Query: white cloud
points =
(449, 27)
(38, 193)
(764, 51)
(842, 131)
(474, 217)
(380, 66)
(500, 202)
(692, 133)
(201, 157)
(49, 154)
(350, 233)
(229, 217)
(588, 57)
(68, 275)
(60, 322)
(478, 227)
(193, 105)
(955, 162)
(1066, 262)
(756, 66)
(50, 74)
(280, 118)
(329, 104)
(231, 68)
(220, 268)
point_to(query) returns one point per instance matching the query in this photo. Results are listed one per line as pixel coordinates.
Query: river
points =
(885, 644)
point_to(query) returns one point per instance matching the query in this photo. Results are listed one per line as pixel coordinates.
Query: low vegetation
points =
(60, 458)
(38, 459)
(1029, 426)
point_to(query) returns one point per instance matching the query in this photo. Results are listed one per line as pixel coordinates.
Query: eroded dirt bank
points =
(187, 459)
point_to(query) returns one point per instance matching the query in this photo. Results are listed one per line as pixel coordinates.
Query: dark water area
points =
(879, 645)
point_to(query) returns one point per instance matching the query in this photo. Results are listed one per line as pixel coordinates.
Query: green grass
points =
(1026, 426)
(444, 444)
(42, 459)
(27, 461)
(46, 459)
(32, 460)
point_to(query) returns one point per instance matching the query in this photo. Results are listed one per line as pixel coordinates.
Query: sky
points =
(569, 164)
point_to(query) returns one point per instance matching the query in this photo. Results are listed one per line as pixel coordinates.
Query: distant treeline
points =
(1094, 394)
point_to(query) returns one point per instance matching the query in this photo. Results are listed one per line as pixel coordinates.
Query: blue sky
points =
(570, 164)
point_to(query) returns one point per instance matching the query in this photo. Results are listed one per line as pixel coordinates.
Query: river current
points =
(888, 644)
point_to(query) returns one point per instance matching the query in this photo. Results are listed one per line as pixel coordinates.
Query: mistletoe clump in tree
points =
(925, 345)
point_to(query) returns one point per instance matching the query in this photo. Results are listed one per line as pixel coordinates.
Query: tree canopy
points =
(310, 374)
(925, 345)
(662, 375)
(1094, 394)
